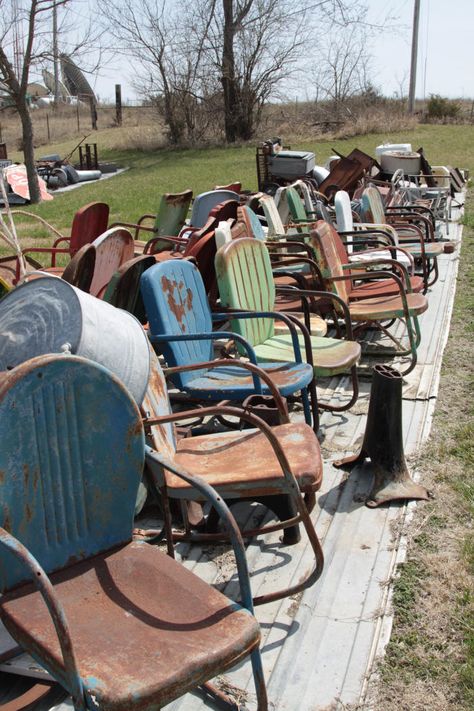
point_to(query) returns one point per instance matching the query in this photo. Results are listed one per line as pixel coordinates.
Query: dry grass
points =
(430, 659)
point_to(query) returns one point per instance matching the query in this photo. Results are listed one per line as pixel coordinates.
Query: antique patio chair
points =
(78, 593)
(181, 323)
(88, 223)
(263, 464)
(373, 311)
(112, 248)
(172, 213)
(413, 233)
(204, 203)
(245, 279)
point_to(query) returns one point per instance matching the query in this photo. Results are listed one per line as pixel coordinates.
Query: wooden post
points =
(93, 113)
(77, 115)
(47, 128)
(383, 442)
(118, 104)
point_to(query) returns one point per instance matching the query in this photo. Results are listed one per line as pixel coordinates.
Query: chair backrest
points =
(234, 187)
(172, 212)
(123, 290)
(88, 223)
(324, 241)
(72, 457)
(250, 218)
(80, 270)
(204, 203)
(342, 204)
(113, 248)
(176, 303)
(275, 225)
(245, 280)
(297, 208)
(372, 206)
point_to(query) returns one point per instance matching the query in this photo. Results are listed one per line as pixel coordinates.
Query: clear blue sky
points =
(445, 56)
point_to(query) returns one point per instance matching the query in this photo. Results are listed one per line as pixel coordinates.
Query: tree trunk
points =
(29, 151)
(228, 79)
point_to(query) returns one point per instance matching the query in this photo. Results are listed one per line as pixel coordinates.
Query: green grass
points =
(433, 634)
(151, 173)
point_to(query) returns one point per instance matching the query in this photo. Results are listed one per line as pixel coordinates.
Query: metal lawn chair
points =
(245, 279)
(181, 324)
(172, 213)
(78, 594)
(273, 465)
(373, 310)
(113, 248)
(123, 290)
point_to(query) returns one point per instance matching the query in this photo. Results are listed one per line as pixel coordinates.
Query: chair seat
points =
(233, 383)
(380, 254)
(331, 356)
(319, 326)
(432, 249)
(384, 287)
(233, 462)
(145, 630)
(387, 307)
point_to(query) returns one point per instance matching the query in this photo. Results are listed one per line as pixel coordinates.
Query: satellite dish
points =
(48, 79)
(74, 79)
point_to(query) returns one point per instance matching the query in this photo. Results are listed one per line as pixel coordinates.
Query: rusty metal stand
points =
(383, 442)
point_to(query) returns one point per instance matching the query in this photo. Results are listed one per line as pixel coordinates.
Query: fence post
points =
(77, 115)
(93, 113)
(118, 104)
(47, 128)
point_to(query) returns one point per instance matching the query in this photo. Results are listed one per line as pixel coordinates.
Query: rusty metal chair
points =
(77, 593)
(262, 464)
(112, 249)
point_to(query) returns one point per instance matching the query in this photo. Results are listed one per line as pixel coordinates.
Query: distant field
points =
(153, 172)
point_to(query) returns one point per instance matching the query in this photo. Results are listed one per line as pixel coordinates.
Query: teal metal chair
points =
(77, 593)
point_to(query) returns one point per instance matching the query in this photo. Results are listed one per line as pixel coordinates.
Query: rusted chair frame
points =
(218, 335)
(58, 617)
(414, 337)
(289, 480)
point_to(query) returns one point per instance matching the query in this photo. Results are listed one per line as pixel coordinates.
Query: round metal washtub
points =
(48, 315)
(392, 161)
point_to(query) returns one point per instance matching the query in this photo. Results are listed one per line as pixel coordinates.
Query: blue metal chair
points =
(77, 593)
(204, 203)
(181, 321)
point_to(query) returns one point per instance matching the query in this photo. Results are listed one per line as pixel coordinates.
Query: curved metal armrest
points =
(178, 241)
(55, 609)
(363, 232)
(262, 374)
(275, 315)
(380, 275)
(249, 417)
(393, 262)
(213, 336)
(326, 296)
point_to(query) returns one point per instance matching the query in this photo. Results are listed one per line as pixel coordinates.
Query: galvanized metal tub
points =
(48, 315)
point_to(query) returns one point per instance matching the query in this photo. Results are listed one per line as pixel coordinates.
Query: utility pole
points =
(414, 56)
(55, 54)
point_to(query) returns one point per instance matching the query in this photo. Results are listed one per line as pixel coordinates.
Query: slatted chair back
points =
(245, 279)
(372, 207)
(113, 248)
(72, 457)
(176, 303)
(324, 242)
(172, 213)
